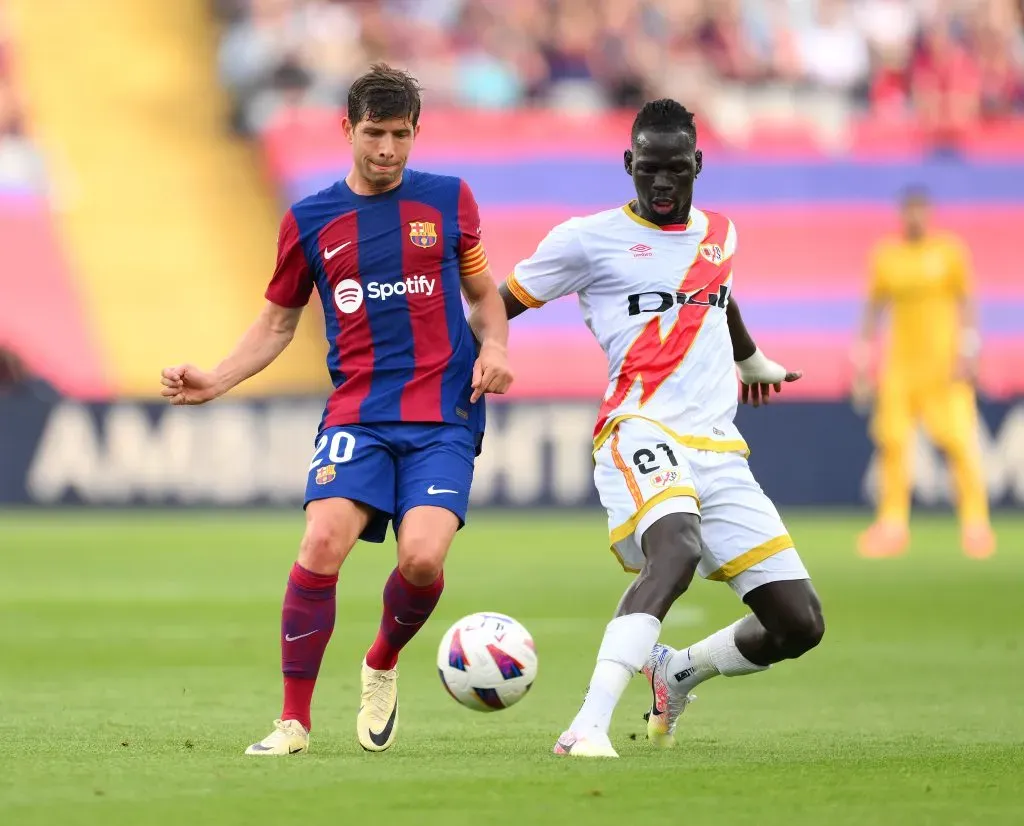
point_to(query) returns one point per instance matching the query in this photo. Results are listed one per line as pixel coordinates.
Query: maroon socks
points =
(307, 621)
(406, 608)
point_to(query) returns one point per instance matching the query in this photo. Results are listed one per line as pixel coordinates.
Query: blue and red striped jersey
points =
(388, 270)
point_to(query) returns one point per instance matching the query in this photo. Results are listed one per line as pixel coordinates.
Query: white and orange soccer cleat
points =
(667, 702)
(378, 708)
(594, 743)
(288, 737)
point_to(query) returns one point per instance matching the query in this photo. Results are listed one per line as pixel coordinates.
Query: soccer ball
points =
(487, 662)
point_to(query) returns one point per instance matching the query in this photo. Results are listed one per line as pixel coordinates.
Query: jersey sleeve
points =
(961, 279)
(472, 256)
(557, 268)
(292, 282)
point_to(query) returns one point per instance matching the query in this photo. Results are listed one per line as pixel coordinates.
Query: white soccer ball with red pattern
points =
(487, 662)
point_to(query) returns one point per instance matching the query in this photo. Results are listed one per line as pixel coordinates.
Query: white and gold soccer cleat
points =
(667, 703)
(593, 744)
(378, 708)
(288, 737)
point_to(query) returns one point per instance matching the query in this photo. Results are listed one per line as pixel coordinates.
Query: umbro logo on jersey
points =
(641, 251)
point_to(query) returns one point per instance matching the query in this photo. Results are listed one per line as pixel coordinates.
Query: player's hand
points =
(861, 393)
(186, 384)
(491, 373)
(757, 393)
(759, 375)
(967, 369)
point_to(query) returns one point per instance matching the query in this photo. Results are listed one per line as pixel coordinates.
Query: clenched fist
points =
(491, 373)
(187, 384)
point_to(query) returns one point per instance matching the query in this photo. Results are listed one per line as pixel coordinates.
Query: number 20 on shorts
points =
(341, 446)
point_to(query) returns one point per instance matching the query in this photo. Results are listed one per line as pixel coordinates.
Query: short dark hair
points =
(664, 115)
(384, 93)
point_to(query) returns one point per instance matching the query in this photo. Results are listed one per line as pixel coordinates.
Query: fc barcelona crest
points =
(711, 253)
(422, 233)
(325, 475)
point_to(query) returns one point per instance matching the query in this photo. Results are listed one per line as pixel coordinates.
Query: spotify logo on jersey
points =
(348, 295)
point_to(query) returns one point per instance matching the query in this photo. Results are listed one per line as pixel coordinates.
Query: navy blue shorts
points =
(394, 467)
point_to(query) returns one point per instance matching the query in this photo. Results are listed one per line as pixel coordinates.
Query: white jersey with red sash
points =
(654, 297)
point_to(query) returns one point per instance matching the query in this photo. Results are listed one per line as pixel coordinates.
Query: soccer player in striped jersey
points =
(390, 252)
(655, 282)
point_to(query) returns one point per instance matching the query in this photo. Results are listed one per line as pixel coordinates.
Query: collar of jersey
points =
(343, 183)
(628, 209)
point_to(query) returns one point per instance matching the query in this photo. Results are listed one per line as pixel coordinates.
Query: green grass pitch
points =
(139, 656)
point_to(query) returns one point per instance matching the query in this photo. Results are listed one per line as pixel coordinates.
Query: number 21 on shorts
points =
(647, 462)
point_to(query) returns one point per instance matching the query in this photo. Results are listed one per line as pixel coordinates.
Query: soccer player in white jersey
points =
(654, 279)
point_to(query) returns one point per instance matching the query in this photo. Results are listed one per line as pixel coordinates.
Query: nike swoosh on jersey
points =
(329, 254)
(434, 491)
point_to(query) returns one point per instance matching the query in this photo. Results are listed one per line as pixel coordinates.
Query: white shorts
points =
(643, 473)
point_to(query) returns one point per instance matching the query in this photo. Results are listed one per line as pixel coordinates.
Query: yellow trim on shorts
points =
(752, 557)
(627, 527)
(695, 442)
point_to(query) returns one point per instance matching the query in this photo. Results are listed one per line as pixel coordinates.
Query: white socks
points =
(625, 648)
(715, 655)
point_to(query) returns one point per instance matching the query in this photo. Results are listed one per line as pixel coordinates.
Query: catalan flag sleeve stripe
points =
(473, 261)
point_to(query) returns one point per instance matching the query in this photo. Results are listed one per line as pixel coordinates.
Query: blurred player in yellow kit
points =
(923, 279)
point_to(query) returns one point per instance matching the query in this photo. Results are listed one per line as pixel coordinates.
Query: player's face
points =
(664, 166)
(380, 149)
(915, 218)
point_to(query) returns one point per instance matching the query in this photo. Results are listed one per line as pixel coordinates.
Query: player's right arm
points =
(264, 341)
(558, 267)
(871, 318)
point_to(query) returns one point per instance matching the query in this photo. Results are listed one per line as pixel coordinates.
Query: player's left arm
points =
(758, 373)
(491, 373)
(487, 319)
(970, 338)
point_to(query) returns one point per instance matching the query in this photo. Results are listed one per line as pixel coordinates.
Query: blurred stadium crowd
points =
(949, 62)
(20, 163)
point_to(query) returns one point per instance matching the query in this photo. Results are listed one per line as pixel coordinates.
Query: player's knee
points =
(421, 557)
(804, 629)
(323, 548)
(423, 540)
(421, 566)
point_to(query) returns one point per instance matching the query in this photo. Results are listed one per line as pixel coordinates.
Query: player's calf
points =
(671, 547)
(410, 596)
(788, 622)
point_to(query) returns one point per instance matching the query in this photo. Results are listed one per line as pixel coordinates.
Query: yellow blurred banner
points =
(169, 225)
